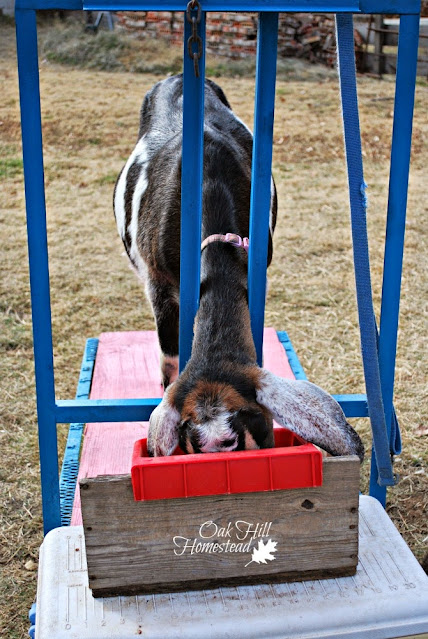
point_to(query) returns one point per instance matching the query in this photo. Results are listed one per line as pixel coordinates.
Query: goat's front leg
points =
(163, 298)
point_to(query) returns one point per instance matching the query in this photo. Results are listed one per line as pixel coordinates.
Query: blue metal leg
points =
(261, 173)
(26, 34)
(396, 218)
(191, 192)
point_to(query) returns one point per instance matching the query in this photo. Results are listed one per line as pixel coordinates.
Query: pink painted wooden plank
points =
(275, 358)
(127, 367)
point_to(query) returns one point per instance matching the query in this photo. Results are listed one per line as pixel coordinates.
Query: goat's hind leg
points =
(163, 298)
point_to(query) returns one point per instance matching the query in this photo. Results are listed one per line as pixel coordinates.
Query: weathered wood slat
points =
(131, 548)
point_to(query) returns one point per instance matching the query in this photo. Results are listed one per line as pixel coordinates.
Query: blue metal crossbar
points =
(50, 412)
(324, 6)
(136, 410)
(104, 410)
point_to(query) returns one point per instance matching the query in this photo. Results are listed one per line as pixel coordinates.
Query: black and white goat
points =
(223, 400)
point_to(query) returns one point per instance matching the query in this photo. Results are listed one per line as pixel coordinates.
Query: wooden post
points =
(378, 44)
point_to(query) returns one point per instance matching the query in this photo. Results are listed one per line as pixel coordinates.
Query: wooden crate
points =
(201, 542)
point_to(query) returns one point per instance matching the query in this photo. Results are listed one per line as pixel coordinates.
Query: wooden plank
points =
(158, 546)
(274, 356)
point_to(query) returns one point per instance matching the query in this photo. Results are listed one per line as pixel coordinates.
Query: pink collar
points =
(230, 238)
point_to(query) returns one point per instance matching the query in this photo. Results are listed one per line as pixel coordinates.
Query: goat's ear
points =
(162, 439)
(310, 412)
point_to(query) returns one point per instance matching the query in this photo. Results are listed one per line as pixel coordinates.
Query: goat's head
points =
(216, 417)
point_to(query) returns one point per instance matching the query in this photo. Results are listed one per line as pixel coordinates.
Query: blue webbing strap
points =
(358, 204)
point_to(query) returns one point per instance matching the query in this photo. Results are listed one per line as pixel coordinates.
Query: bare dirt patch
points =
(90, 126)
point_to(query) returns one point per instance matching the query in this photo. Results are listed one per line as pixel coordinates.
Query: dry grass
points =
(90, 125)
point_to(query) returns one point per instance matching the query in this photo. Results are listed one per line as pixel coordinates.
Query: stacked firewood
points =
(310, 36)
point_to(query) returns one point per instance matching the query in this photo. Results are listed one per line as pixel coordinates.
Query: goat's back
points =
(148, 192)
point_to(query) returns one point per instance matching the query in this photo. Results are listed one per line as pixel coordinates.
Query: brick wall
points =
(229, 34)
(310, 36)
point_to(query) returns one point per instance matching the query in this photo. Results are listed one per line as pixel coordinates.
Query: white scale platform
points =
(388, 597)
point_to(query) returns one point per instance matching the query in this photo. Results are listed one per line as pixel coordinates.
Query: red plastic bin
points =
(293, 463)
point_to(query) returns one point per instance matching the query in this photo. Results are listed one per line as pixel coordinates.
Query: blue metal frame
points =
(401, 7)
(261, 177)
(191, 192)
(81, 410)
(26, 36)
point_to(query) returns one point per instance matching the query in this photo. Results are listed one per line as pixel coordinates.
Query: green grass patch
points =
(9, 167)
(110, 178)
(75, 47)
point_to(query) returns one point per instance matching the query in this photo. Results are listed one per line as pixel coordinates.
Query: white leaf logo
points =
(263, 553)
